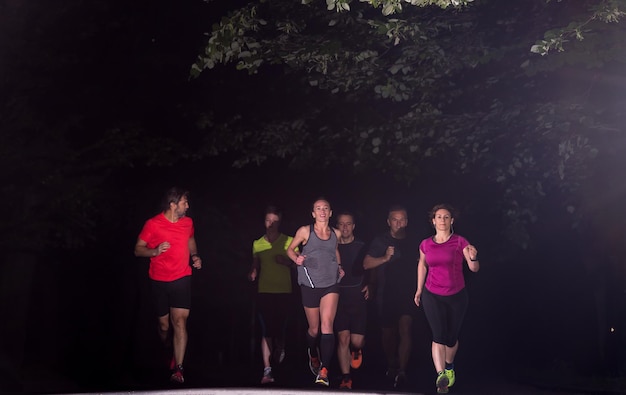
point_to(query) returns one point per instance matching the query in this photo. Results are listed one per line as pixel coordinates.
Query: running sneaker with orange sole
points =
(322, 377)
(346, 384)
(357, 359)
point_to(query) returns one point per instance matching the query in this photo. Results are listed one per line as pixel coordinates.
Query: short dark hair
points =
(396, 207)
(346, 212)
(271, 209)
(173, 195)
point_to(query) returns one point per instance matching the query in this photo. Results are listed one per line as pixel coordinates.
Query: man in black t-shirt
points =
(394, 256)
(351, 317)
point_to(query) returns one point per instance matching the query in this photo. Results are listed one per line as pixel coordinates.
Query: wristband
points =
(474, 260)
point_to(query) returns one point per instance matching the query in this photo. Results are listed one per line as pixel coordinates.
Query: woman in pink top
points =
(441, 290)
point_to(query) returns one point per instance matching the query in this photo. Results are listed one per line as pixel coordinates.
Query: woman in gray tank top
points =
(319, 272)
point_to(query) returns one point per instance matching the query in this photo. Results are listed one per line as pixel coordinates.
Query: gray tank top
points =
(320, 268)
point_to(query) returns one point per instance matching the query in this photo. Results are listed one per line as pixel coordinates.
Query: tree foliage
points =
(407, 85)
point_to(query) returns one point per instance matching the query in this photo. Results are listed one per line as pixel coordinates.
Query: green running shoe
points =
(442, 383)
(451, 377)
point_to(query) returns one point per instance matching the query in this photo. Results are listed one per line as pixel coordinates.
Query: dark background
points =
(90, 327)
(79, 319)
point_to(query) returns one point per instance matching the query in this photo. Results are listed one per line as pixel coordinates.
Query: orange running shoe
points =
(357, 359)
(322, 377)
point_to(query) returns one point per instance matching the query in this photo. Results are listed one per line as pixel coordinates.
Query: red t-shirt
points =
(173, 263)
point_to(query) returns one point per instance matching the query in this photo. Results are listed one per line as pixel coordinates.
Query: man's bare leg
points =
(343, 351)
(179, 324)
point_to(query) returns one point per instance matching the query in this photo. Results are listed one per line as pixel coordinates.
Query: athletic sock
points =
(449, 366)
(327, 347)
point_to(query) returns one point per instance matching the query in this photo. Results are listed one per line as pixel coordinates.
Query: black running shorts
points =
(167, 294)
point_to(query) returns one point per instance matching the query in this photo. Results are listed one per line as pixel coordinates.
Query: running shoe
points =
(391, 373)
(399, 382)
(314, 363)
(451, 377)
(281, 355)
(177, 376)
(267, 376)
(346, 384)
(442, 383)
(322, 377)
(357, 359)
(278, 355)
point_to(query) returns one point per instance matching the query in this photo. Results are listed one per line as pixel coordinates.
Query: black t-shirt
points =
(399, 275)
(352, 255)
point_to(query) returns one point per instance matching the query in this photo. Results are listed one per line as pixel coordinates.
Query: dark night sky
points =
(108, 63)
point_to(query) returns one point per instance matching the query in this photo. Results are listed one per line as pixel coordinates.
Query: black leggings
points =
(445, 315)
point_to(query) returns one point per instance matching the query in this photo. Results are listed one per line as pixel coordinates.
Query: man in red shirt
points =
(168, 240)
